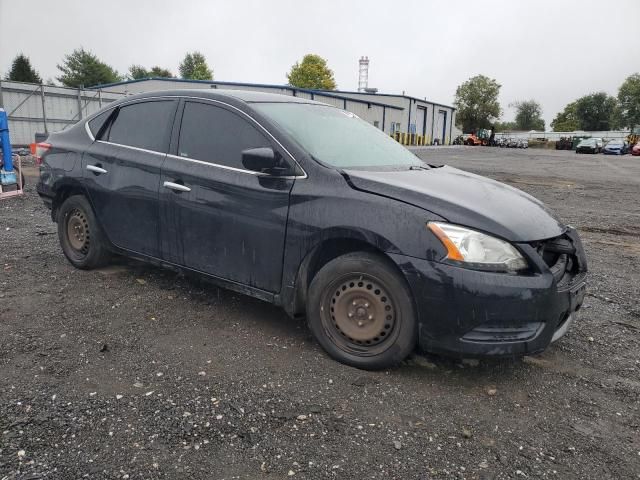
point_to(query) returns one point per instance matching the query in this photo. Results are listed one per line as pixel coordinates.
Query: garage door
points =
(440, 132)
(421, 122)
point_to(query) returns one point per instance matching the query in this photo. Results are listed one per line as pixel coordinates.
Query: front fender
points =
(319, 216)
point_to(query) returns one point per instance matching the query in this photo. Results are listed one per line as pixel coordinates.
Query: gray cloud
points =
(551, 51)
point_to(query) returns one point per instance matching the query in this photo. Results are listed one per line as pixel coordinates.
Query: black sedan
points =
(307, 206)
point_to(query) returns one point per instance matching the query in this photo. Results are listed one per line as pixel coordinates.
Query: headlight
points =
(477, 250)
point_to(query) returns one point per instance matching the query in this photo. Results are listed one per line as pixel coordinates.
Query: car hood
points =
(613, 147)
(465, 199)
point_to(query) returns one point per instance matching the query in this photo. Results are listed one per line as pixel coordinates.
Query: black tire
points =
(80, 236)
(376, 308)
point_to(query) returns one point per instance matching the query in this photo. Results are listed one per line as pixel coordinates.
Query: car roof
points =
(246, 96)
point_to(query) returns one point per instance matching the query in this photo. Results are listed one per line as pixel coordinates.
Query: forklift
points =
(634, 136)
(482, 137)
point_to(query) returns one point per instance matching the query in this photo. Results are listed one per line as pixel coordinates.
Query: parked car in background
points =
(588, 145)
(600, 143)
(307, 206)
(636, 149)
(616, 147)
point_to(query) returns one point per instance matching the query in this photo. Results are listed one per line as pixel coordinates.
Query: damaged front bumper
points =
(469, 313)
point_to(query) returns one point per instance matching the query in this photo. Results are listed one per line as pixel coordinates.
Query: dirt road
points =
(135, 372)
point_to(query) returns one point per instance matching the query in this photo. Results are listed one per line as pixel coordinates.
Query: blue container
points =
(8, 178)
(5, 144)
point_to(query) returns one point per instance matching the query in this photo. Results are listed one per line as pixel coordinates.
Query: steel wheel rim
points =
(78, 231)
(360, 315)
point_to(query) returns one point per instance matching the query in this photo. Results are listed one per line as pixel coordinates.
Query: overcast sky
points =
(551, 50)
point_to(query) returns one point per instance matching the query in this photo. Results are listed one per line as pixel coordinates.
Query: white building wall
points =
(411, 120)
(336, 102)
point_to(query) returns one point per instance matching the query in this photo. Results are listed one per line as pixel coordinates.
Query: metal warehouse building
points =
(408, 119)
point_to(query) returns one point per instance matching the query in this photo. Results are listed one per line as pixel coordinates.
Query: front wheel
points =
(80, 236)
(360, 310)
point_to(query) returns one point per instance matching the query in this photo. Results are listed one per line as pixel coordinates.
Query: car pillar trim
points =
(86, 127)
(154, 152)
(234, 169)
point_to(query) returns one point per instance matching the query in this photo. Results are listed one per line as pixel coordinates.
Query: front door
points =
(218, 217)
(122, 173)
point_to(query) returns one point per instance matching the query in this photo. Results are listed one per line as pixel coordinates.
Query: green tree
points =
(83, 68)
(312, 72)
(595, 111)
(160, 72)
(629, 102)
(567, 120)
(528, 115)
(137, 72)
(22, 71)
(477, 103)
(194, 67)
(505, 126)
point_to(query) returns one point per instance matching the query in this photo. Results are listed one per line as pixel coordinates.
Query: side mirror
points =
(263, 160)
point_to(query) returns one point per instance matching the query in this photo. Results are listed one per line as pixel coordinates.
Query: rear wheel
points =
(80, 236)
(361, 312)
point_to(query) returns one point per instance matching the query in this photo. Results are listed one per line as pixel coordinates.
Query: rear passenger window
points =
(96, 123)
(213, 134)
(144, 125)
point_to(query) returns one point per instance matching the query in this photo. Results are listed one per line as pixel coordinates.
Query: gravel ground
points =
(135, 372)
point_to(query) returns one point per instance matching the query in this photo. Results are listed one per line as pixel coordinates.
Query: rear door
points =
(122, 173)
(218, 217)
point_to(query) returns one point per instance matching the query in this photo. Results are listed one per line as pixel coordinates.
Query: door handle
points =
(95, 169)
(176, 187)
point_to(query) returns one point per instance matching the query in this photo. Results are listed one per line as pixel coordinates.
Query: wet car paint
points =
(267, 237)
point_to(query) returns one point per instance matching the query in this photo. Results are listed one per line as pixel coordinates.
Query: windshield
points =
(337, 137)
(614, 143)
(589, 141)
